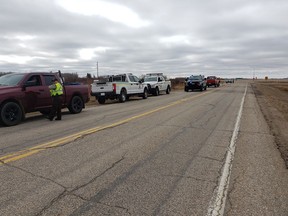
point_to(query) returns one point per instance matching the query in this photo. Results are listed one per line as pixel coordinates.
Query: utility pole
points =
(97, 70)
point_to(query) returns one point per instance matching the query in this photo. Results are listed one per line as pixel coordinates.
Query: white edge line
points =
(217, 203)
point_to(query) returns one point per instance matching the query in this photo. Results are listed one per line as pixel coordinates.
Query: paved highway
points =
(187, 153)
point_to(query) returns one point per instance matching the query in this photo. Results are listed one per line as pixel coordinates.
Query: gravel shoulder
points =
(272, 97)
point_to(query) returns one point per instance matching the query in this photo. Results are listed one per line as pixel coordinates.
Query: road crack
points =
(65, 190)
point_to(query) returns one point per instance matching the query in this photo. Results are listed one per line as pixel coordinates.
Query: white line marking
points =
(217, 203)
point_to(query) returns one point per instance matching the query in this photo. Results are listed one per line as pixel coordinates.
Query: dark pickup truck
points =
(195, 82)
(21, 93)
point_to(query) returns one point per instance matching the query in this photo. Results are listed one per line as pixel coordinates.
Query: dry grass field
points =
(272, 96)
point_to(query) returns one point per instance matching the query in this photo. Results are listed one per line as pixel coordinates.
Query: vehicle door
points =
(161, 83)
(35, 92)
(47, 80)
(134, 85)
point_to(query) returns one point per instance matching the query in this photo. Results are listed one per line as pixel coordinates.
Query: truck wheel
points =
(186, 89)
(123, 96)
(168, 90)
(11, 114)
(145, 94)
(156, 93)
(76, 105)
(101, 100)
(202, 88)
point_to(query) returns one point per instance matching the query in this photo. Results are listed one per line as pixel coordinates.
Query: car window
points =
(136, 79)
(36, 79)
(195, 78)
(48, 79)
(132, 78)
(150, 79)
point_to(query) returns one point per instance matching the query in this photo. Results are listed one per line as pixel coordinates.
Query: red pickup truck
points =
(21, 93)
(213, 81)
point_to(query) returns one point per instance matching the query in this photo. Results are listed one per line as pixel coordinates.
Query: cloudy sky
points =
(227, 38)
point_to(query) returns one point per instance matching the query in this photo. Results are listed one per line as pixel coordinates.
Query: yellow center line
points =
(64, 140)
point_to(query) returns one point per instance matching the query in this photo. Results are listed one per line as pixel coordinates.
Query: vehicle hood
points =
(6, 89)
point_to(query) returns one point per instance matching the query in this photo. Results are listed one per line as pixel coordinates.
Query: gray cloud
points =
(225, 38)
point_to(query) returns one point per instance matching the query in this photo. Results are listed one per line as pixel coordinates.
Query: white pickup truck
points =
(119, 87)
(156, 83)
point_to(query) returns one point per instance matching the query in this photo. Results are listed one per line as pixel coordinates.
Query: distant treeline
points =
(4, 73)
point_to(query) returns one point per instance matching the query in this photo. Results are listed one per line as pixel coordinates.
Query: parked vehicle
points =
(21, 93)
(195, 82)
(213, 81)
(119, 87)
(156, 83)
(229, 80)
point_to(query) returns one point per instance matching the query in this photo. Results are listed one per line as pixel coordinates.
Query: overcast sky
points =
(227, 38)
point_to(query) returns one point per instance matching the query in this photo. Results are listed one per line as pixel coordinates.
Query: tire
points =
(156, 93)
(101, 100)
(186, 89)
(76, 104)
(168, 90)
(123, 96)
(11, 114)
(145, 94)
(202, 88)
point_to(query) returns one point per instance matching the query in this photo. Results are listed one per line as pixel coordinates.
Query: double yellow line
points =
(58, 142)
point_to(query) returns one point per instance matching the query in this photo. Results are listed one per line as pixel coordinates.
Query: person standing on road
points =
(56, 90)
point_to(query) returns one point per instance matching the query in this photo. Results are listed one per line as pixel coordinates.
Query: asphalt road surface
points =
(186, 153)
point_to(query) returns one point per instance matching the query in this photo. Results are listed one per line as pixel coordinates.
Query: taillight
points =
(114, 87)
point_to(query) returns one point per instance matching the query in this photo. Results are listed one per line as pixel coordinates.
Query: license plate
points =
(102, 94)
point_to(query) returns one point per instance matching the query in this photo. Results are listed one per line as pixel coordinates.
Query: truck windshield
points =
(11, 79)
(150, 79)
(195, 78)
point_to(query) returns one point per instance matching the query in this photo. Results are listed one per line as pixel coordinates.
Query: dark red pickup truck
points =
(21, 93)
(213, 81)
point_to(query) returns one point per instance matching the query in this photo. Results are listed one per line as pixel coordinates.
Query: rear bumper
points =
(103, 94)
